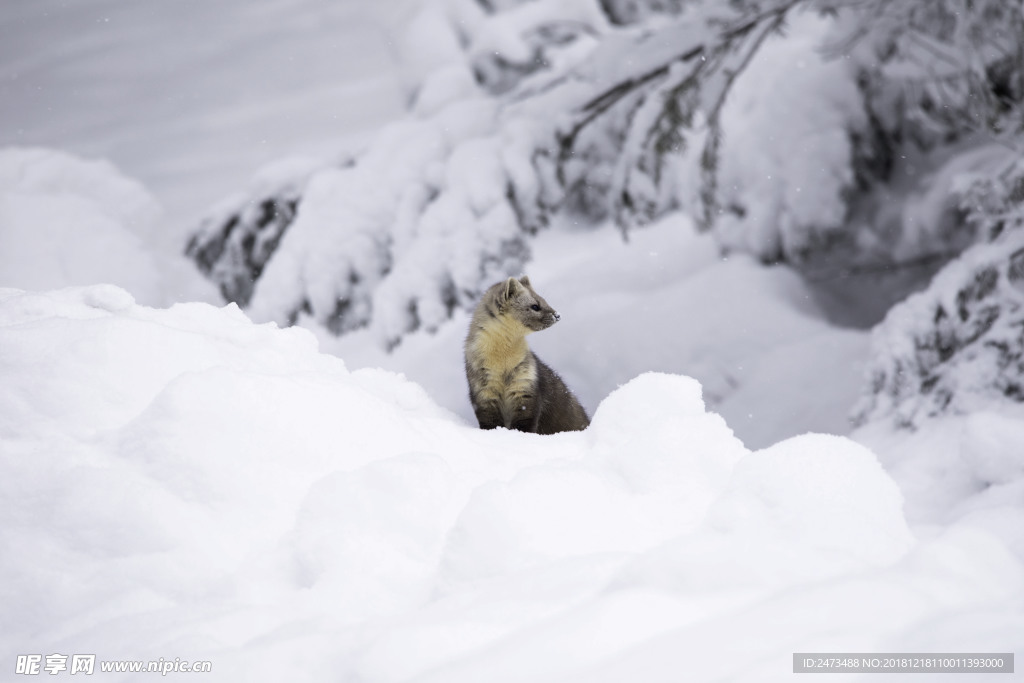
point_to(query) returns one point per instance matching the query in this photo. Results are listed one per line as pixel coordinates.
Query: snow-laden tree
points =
(240, 234)
(959, 345)
(779, 124)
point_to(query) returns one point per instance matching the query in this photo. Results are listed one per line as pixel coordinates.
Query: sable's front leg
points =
(524, 413)
(488, 415)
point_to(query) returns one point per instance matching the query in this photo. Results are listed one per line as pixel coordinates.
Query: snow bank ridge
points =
(195, 479)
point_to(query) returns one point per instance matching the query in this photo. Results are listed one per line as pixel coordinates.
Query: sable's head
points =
(517, 299)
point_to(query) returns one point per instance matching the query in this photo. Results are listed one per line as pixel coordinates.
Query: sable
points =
(509, 386)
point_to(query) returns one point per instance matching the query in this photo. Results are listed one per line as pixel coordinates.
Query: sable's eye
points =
(535, 307)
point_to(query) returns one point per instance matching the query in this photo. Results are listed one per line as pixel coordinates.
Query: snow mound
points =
(961, 468)
(66, 221)
(184, 482)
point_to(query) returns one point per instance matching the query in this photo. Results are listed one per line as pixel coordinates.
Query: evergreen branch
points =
(712, 54)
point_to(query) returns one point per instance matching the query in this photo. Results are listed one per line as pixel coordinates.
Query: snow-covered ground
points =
(184, 483)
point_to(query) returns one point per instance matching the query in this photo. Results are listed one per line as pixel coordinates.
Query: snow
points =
(510, 44)
(421, 222)
(440, 205)
(954, 348)
(445, 86)
(68, 221)
(752, 336)
(292, 505)
(785, 169)
(963, 467)
(432, 39)
(989, 448)
(191, 97)
(184, 482)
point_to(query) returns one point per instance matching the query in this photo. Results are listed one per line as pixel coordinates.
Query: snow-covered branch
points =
(532, 109)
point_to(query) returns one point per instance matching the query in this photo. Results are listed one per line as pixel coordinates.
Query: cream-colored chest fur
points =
(500, 350)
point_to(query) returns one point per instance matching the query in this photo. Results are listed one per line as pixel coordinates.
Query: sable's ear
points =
(525, 280)
(511, 289)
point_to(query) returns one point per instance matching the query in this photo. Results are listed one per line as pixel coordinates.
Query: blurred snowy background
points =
(805, 215)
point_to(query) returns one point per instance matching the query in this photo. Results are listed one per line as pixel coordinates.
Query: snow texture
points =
(441, 205)
(374, 241)
(437, 207)
(665, 301)
(956, 348)
(520, 116)
(786, 166)
(67, 221)
(185, 482)
(239, 235)
(190, 97)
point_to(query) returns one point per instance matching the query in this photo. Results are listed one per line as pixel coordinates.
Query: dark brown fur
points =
(508, 385)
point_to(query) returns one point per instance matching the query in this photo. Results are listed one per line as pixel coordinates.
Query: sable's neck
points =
(501, 335)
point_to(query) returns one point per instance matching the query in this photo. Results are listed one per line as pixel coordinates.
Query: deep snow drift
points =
(184, 483)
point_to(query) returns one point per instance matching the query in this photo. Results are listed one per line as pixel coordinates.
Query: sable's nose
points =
(557, 317)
